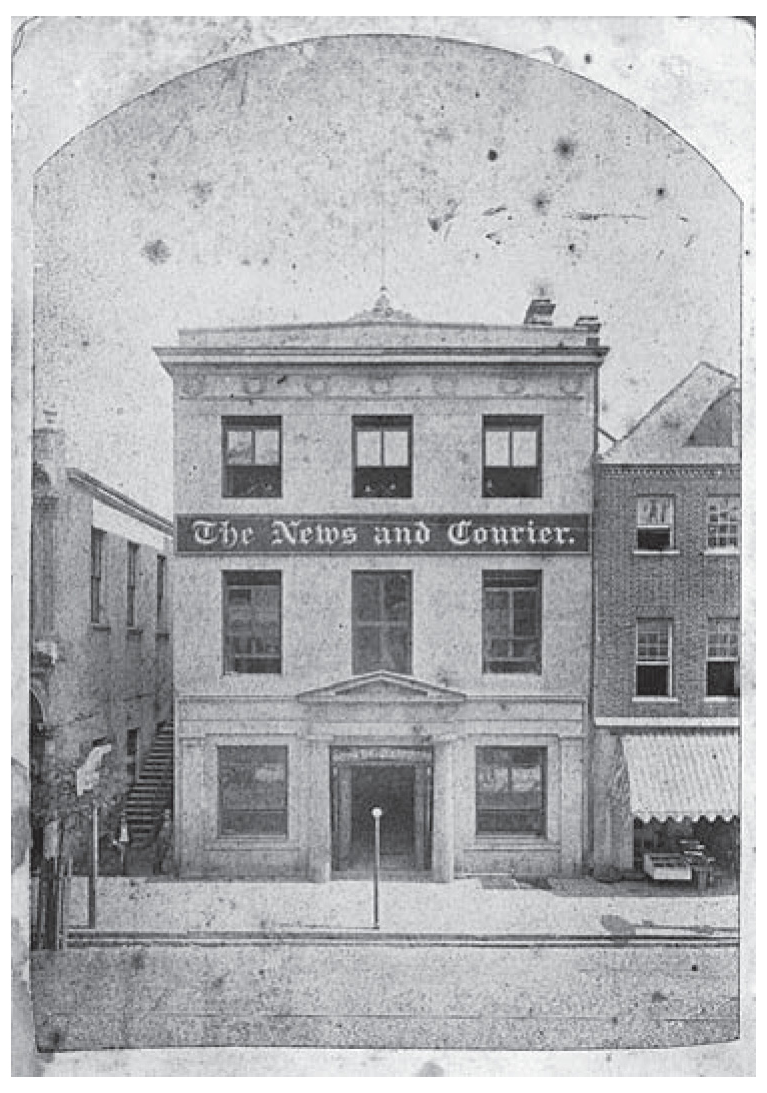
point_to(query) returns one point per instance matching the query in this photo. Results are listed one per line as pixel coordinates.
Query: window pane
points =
(239, 446)
(497, 450)
(655, 511)
(396, 448)
(652, 679)
(368, 448)
(723, 639)
(366, 597)
(526, 787)
(652, 640)
(525, 448)
(367, 649)
(395, 649)
(253, 790)
(396, 597)
(267, 443)
(525, 618)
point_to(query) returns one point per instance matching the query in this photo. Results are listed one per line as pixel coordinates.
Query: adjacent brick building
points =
(383, 595)
(667, 652)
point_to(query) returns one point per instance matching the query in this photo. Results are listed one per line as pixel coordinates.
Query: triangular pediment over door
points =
(382, 686)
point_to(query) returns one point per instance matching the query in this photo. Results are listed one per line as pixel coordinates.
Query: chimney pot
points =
(539, 311)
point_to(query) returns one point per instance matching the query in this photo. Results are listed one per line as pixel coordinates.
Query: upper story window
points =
(162, 593)
(98, 539)
(252, 453)
(723, 658)
(723, 522)
(130, 584)
(653, 658)
(655, 523)
(253, 621)
(511, 622)
(512, 456)
(381, 621)
(383, 456)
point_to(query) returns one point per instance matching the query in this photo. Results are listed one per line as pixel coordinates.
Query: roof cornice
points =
(119, 501)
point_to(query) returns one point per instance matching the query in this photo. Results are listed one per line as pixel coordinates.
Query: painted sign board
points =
(385, 534)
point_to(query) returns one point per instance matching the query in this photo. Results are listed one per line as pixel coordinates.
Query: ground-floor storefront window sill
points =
(506, 843)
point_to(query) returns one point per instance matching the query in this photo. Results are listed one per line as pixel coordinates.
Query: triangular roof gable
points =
(382, 686)
(662, 436)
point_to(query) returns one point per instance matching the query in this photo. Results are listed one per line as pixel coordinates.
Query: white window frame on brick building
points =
(723, 658)
(723, 523)
(655, 523)
(654, 648)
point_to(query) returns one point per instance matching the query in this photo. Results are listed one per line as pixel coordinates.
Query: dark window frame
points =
(262, 822)
(648, 671)
(517, 581)
(382, 627)
(382, 480)
(508, 480)
(722, 668)
(494, 816)
(131, 584)
(161, 593)
(251, 480)
(262, 664)
(97, 576)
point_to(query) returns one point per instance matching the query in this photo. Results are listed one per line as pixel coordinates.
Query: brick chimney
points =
(539, 311)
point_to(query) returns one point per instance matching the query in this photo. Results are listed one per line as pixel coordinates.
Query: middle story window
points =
(511, 621)
(655, 523)
(381, 621)
(383, 459)
(512, 456)
(511, 791)
(253, 790)
(723, 523)
(653, 658)
(722, 658)
(252, 454)
(253, 622)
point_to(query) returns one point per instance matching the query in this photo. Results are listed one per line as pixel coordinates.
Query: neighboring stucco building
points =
(101, 667)
(383, 594)
(667, 664)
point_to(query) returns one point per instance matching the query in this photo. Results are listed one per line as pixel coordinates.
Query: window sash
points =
(382, 445)
(381, 621)
(511, 622)
(253, 790)
(510, 790)
(162, 563)
(653, 658)
(252, 457)
(512, 444)
(253, 622)
(723, 639)
(723, 522)
(132, 566)
(97, 575)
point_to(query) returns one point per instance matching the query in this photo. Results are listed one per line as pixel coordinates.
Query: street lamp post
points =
(376, 813)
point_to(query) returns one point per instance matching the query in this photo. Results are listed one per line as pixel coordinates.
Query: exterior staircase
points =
(153, 790)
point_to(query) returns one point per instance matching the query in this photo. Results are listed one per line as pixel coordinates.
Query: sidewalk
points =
(575, 907)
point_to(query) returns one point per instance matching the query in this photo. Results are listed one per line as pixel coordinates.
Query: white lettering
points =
(381, 536)
(349, 536)
(284, 532)
(458, 533)
(205, 532)
(421, 534)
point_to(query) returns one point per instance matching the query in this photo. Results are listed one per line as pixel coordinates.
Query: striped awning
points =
(678, 774)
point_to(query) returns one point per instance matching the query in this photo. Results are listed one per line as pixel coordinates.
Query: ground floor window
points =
(253, 790)
(511, 791)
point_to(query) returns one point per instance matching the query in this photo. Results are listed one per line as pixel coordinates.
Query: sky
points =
(283, 185)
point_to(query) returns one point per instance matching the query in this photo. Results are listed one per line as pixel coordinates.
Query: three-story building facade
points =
(383, 595)
(667, 651)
